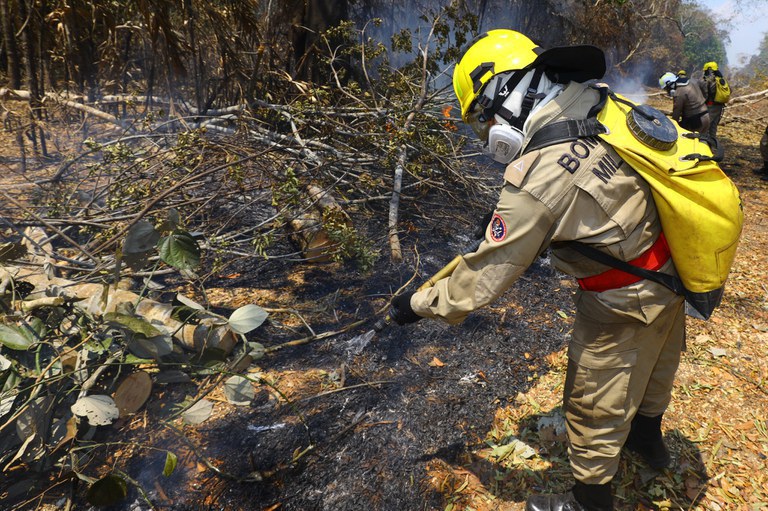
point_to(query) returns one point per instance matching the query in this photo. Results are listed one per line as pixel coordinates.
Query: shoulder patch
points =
(498, 228)
(518, 169)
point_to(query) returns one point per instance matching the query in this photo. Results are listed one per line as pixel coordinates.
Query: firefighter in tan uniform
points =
(628, 333)
(689, 108)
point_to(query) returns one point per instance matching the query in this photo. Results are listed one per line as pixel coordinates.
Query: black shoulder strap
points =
(573, 129)
(564, 131)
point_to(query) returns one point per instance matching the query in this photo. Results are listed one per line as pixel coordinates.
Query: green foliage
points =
(402, 41)
(349, 244)
(171, 461)
(48, 354)
(180, 250)
(704, 37)
(757, 68)
(286, 192)
(107, 491)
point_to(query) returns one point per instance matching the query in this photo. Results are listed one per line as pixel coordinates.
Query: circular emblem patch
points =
(498, 228)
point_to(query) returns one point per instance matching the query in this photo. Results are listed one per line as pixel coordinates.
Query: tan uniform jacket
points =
(578, 190)
(688, 102)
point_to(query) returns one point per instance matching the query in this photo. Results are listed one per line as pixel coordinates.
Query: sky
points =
(748, 26)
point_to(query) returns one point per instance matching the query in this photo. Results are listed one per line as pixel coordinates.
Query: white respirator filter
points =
(504, 143)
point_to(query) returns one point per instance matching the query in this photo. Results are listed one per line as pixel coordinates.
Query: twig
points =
(49, 225)
(311, 338)
(351, 387)
(147, 207)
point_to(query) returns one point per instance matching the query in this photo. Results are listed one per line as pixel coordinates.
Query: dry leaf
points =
(692, 488)
(133, 392)
(436, 362)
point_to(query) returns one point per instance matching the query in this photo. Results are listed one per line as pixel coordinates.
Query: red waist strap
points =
(653, 259)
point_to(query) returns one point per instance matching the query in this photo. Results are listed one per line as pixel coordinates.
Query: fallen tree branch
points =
(22, 95)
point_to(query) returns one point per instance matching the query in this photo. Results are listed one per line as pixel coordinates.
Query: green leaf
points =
(136, 260)
(107, 491)
(189, 302)
(247, 318)
(239, 391)
(198, 412)
(152, 347)
(179, 250)
(133, 323)
(173, 222)
(257, 350)
(9, 380)
(15, 338)
(132, 359)
(142, 237)
(170, 463)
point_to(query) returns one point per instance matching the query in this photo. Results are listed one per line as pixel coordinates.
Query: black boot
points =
(583, 497)
(646, 440)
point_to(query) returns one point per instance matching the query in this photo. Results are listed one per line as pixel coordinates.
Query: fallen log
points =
(100, 299)
(22, 95)
(210, 331)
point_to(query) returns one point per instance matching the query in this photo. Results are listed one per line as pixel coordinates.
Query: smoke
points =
(636, 86)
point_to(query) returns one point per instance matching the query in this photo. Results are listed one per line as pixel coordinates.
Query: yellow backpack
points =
(699, 207)
(722, 90)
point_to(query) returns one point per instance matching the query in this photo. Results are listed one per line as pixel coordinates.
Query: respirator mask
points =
(512, 97)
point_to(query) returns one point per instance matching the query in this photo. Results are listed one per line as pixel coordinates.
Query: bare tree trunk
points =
(20, 142)
(30, 65)
(11, 49)
(197, 62)
(311, 19)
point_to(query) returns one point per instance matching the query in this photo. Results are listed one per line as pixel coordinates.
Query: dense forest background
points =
(197, 195)
(221, 52)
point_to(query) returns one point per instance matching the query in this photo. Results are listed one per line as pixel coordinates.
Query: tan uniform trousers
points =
(617, 367)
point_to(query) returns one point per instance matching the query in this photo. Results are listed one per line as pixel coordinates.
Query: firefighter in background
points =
(764, 153)
(708, 87)
(628, 332)
(688, 106)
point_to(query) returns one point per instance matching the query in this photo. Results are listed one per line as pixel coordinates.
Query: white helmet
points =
(667, 80)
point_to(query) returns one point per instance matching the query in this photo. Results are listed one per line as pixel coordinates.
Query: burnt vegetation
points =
(203, 206)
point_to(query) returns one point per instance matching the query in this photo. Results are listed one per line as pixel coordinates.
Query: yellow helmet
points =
(710, 65)
(502, 50)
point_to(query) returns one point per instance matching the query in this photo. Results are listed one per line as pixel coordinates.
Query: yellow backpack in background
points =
(699, 207)
(722, 90)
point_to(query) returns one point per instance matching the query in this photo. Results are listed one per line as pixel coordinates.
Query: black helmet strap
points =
(491, 103)
(494, 106)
